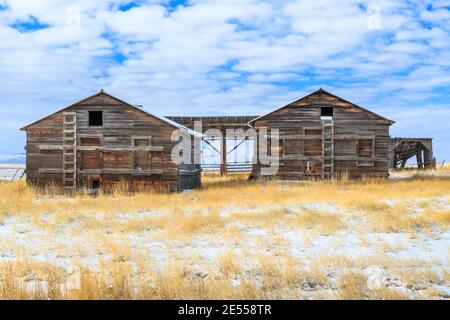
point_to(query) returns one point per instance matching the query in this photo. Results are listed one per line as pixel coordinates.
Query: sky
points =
(227, 57)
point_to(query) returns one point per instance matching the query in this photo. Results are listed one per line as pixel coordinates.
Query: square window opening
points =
(326, 113)
(95, 118)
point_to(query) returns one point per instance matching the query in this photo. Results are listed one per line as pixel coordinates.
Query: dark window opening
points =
(326, 112)
(95, 184)
(95, 118)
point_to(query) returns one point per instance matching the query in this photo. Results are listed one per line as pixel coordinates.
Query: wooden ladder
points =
(327, 148)
(69, 151)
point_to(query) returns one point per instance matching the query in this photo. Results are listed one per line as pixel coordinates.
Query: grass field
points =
(231, 239)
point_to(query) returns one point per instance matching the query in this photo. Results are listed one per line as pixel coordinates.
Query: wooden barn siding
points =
(348, 121)
(120, 123)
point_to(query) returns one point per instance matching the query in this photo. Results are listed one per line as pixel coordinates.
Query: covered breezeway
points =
(219, 152)
(403, 149)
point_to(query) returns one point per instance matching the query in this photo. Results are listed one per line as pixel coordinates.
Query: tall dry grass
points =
(246, 222)
(218, 193)
(281, 277)
(381, 203)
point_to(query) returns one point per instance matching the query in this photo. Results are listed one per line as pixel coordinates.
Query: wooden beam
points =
(91, 135)
(150, 148)
(419, 160)
(109, 171)
(237, 146)
(92, 148)
(319, 137)
(50, 147)
(223, 164)
(50, 170)
(214, 148)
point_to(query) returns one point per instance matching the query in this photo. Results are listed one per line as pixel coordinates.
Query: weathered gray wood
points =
(402, 149)
(307, 152)
(110, 159)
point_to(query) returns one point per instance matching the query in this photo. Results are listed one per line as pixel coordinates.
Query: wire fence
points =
(231, 167)
(14, 172)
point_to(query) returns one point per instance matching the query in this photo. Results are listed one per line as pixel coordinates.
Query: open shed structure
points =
(104, 141)
(403, 149)
(222, 124)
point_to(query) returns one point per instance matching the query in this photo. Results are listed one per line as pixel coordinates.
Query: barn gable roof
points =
(391, 122)
(168, 121)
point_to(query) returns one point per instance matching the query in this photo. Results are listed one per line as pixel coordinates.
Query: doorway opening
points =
(95, 184)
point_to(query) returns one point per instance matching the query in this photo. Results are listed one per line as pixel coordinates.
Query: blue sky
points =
(210, 57)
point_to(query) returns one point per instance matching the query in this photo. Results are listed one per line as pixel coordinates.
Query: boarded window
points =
(365, 148)
(141, 142)
(90, 142)
(141, 158)
(313, 132)
(95, 118)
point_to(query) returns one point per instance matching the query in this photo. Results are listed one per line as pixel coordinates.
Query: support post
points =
(428, 156)
(223, 163)
(419, 159)
(392, 164)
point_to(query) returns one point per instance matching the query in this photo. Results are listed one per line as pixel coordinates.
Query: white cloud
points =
(225, 57)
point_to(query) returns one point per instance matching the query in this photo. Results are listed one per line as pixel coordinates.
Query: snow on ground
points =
(22, 235)
(383, 256)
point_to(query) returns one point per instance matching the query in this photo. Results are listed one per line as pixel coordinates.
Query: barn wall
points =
(301, 125)
(115, 161)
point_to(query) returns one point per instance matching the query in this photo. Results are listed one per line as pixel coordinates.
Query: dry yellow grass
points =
(280, 278)
(230, 239)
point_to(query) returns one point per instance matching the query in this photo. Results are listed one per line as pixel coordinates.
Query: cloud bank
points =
(208, 57)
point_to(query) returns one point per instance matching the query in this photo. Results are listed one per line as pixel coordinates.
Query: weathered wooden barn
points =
(104, 141)
(322, 135)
